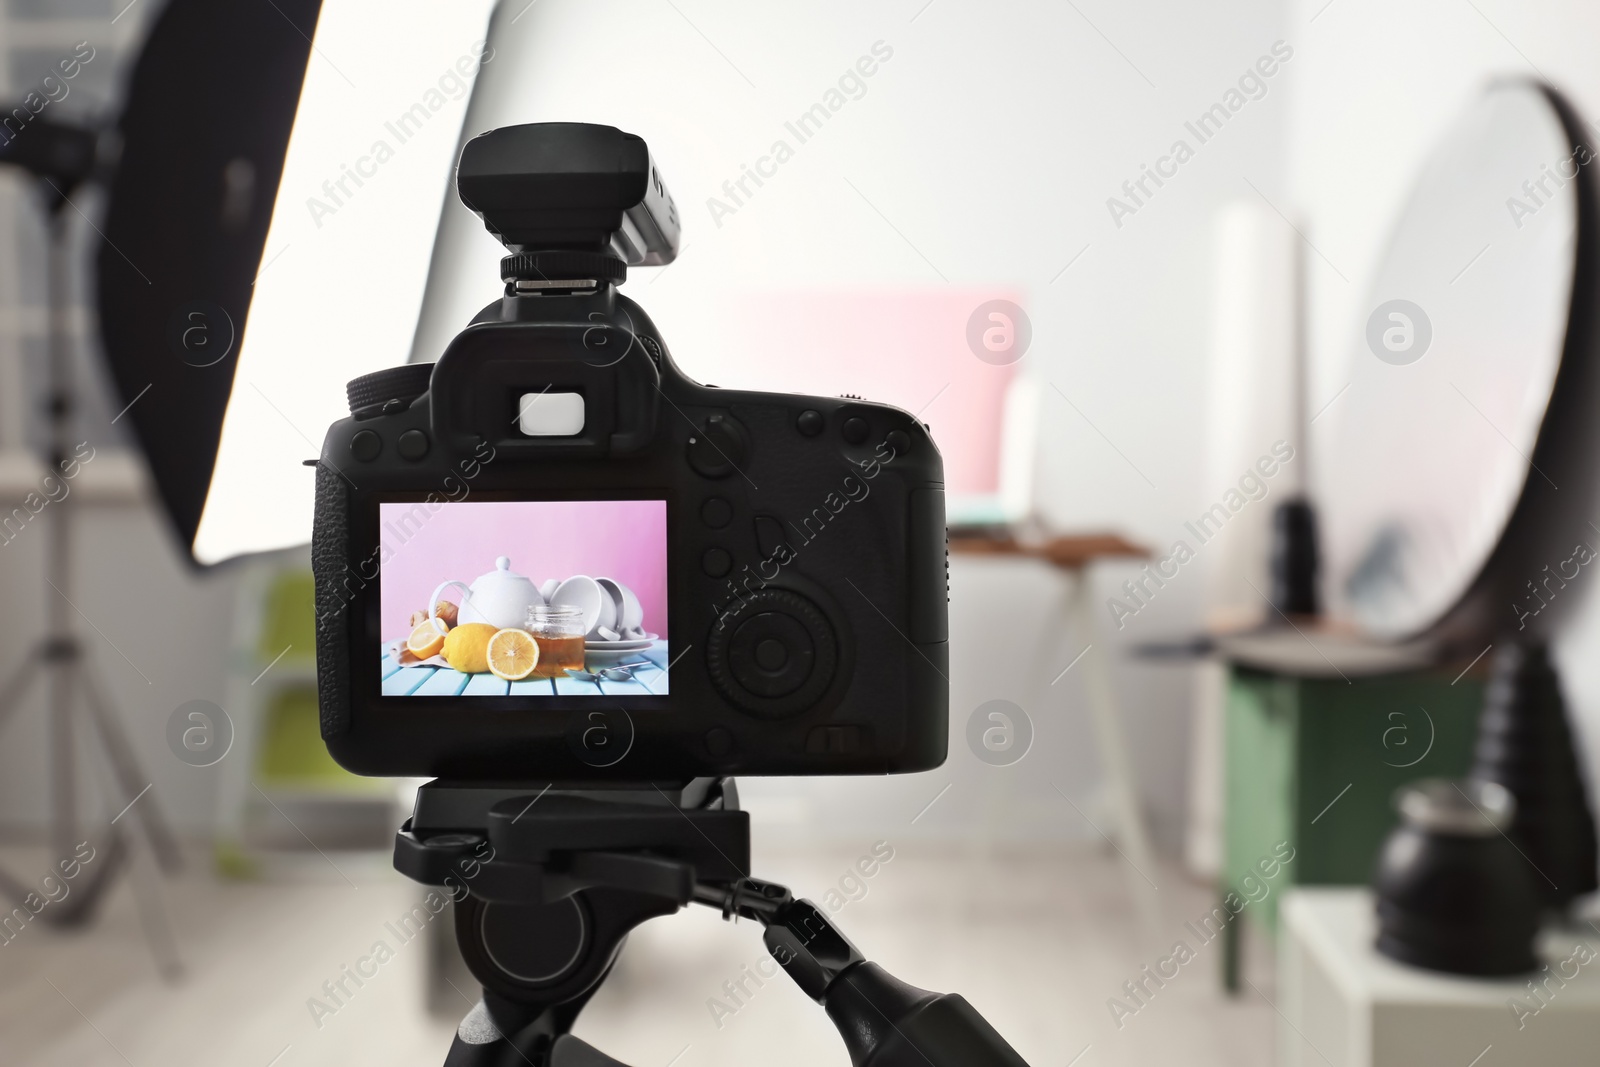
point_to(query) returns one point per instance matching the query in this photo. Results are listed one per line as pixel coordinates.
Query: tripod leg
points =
(78, 907)
(480, 1042)
(11, 697)
(146, 892)
(13, 889)
(63, 757)
(125, 766)
(17, 685)
(153, 917)
(526, 1039)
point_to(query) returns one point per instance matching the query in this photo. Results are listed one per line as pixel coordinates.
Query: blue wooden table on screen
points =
(428, 681)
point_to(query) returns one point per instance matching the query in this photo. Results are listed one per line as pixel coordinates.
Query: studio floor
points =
(1038, 941)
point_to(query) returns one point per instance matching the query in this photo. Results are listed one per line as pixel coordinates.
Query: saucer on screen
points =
(635, 645)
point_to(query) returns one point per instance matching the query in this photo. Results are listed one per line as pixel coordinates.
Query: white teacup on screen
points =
(589, 596)
(630, 613)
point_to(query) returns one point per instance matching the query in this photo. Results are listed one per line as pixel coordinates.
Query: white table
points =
(1341, 1004)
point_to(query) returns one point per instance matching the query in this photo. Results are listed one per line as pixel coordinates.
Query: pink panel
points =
(621, 539)
(902, 347)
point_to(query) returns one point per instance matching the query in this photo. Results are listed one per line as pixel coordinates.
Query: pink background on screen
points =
(621, 539)
(897, 347)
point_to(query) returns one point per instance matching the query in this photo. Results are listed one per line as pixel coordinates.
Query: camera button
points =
(719, 449)
(719, 741)
(771, 655)
(716, 513)
(716, 562)
(898, 441)
(856, 430)
(413, 445)
(366, 445)
(809, 422)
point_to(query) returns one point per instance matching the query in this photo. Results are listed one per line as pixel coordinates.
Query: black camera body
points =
(800, 596)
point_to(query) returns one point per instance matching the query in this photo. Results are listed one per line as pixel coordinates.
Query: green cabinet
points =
(1315, 762)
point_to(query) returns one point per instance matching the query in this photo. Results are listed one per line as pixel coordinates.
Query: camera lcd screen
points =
(524, 598)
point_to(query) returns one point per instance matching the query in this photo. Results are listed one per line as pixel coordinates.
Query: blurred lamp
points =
(280, 175)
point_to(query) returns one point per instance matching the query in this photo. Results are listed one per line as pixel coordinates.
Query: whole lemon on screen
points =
(466, 648)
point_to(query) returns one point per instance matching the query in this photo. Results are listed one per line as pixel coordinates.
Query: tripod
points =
(547, 884)
(60, 657)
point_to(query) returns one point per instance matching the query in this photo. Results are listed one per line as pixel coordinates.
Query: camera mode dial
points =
(393, 385)
(775, 655)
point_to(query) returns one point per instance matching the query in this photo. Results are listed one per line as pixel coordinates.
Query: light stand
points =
(63, 157)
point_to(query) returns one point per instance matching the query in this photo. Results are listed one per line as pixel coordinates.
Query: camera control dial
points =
(775, 656)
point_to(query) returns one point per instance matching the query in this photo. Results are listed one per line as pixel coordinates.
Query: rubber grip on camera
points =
(330, 535)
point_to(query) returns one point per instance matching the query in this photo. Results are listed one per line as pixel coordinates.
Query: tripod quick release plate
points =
(544, 847)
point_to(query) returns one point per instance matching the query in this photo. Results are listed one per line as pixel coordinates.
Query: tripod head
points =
(548, 882)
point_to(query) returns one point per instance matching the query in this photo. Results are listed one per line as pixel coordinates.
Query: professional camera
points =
(552, 556)
(719, 582)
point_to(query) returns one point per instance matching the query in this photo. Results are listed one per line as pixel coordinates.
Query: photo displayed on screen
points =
(524, 598)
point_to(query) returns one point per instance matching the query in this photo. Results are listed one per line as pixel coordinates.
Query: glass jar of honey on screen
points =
(559, 631)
